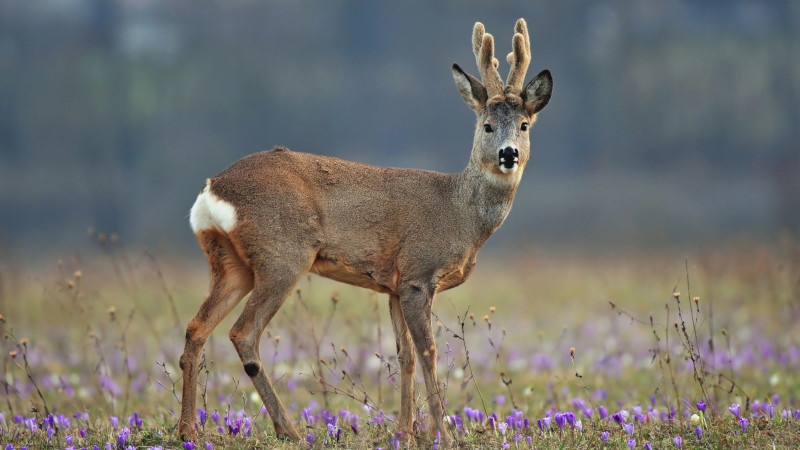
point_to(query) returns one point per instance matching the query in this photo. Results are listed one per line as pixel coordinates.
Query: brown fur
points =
(407, 233)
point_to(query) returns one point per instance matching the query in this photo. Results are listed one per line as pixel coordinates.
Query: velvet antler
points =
(483, 47)
(520, 58)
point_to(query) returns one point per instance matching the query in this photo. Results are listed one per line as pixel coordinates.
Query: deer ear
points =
(537, 93)
(472, 91)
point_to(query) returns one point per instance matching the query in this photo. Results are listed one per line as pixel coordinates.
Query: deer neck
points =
(487, 197)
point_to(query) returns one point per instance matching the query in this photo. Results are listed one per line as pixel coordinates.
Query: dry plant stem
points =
(125, 361)
(669, 363)
(165, 289)
(163, 366)
(317, 343)
(5, 385)
(693, 346)
(467, 364)
(29, 373)
(380, 345)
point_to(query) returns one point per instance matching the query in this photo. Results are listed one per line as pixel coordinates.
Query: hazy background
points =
(671, 124)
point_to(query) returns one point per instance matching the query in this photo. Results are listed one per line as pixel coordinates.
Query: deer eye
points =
(524, 126)
(488, 128)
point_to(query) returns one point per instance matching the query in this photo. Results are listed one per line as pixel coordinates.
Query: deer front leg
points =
(245, 335)
(408, 361)
(415, 303)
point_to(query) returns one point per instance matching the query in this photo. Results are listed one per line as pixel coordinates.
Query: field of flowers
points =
(548, 350)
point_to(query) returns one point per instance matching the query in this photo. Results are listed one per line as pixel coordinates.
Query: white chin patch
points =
(505, 169)
(210, 211)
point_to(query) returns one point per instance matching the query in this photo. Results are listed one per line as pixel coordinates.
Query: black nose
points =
(509, 157)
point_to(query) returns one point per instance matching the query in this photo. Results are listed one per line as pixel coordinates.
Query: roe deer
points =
(274, 216)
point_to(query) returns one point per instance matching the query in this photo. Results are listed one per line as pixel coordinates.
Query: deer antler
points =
(483, 47)
(520, 58)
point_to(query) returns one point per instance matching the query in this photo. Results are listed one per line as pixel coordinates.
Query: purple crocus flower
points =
(588, 412)
(628, 429)
(202, 415)
(735, 410)
(529, 440)
(188, 446)
(215, 417)
(123, 437)
(135, 421)
(209, 446)
(604, 437)
(570, 416)
(547, 421)
(699, 432)
(769, 409)
(68, 440)
(560, 421)
(701, 405)
(678, 441)
(631, 443)
(617, 417)
(82, 432)
(743, 424)
(603, 412)
(647, 446)
(310, 439)
(114, 422)
(502, 426)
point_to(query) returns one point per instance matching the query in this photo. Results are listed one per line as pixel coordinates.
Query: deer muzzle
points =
(509, 159)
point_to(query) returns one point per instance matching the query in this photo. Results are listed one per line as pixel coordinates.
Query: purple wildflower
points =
(735, 410)
(135, 421)
(617, 418)
(114, 422)
(701, 406)
(678, 441)
(310, 439)
(743, 424)
(209, 446)
(570, 416)
(123, 436)
(202, 416)
(502, 426)
(578, 425)
(560, 421)
(215, 417)
(588, 412)
(547, 421)
(769, 409)
(699, 432)
(647, 446)
(188, 446)
(604, 437)
(631, 443)
(82, 432)
(529, 440)
(628, 429)
(603, 412)
(68, 440)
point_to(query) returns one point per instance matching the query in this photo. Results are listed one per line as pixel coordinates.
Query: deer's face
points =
(502, 145)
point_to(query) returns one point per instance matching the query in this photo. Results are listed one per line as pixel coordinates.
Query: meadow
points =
(548, 349)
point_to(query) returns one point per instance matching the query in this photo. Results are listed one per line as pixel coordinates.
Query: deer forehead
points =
(509, 109)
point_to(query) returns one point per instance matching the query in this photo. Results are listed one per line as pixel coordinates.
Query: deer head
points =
(501, 146)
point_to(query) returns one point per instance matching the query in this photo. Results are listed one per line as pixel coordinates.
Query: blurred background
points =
(673, 124)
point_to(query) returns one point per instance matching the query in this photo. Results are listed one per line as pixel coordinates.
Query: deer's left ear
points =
(537, 93)
(472, 91)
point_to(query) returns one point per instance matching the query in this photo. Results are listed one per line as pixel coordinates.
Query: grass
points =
(92, 343)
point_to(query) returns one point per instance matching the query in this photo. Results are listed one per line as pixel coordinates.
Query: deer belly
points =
(339, 270)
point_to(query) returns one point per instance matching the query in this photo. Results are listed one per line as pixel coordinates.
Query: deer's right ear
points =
(472, 91)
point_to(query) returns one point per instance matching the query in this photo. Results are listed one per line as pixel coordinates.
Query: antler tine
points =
(520, 58)
(483, 47)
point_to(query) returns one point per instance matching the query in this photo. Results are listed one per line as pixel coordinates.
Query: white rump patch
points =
(210, 211)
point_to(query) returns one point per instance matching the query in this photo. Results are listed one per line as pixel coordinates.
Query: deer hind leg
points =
(231, 280)
(408, 360)
(274, 283)
(415, 303)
